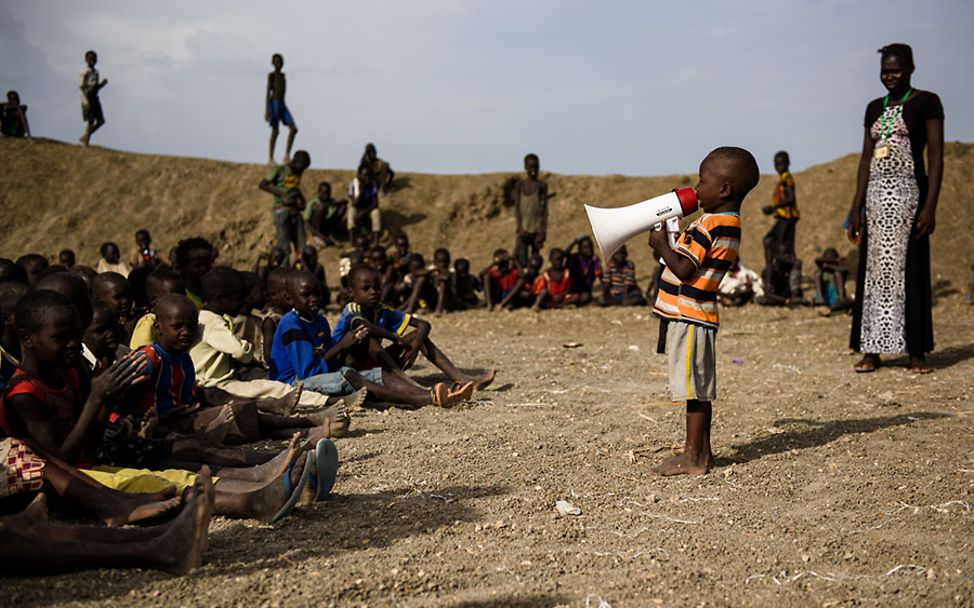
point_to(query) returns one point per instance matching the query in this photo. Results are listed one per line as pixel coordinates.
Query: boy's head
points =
(177, 322)
(324, 191)
(277, 291)
(782, 259)
(277, 60)
(10, 295)
(364, 286)
(305, 293)
(74, 289)
(276, 257)
(194, 258)
(461, 267)
(300, 161)
(501, 259)
(33, 264)
(114, 290)
(110, 252)
(585, 247)
(49, 328)
(162, 281)
(11, 271)
(86, 273)
(727, 174)
(309, 255)
(830, 259)
(416, 261)
(532, 165)
(370, 152)
(378, 258)
(402, 245)
(143, 239)
(102, 335)
(557, 257)
(620, 257)
(781, 162)
(441, 258)
(91, 58)
(256, 293)
(13, 98)
(66, 258)
(224, 291)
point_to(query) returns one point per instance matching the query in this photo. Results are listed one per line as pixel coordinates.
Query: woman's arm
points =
(862, 181)
(926, 221)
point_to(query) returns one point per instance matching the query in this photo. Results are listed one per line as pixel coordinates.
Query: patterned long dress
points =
(893, 297)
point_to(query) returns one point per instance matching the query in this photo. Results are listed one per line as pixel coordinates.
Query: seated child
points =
(584, 267)
(161, 281)
(359, 254)
(101, 338)
(304, 351)
(465, 286)
(324, 216)
(418, 285)
(382, 323)
(390, 277)
(10, 294)
(830, 278)
(739, 286)
(619, 287)
(499, 279)
(782, 279)
(552, 287)
(33, 265)
(247, 324)
(400, 253)
(111, 260)
(113, 289)
(193, 258)
(217, 350)
(309, 261)
(278, 305)
(142, 255)
(363, 211)
(273, 259)
(522, 295)
(66, 258)
(441, 278)
(48, 405)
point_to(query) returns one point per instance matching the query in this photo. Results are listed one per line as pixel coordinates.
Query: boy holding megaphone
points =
(687, 299)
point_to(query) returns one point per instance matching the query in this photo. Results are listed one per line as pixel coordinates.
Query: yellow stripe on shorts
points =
(689, 360)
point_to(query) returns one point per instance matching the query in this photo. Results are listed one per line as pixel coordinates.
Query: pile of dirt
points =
(54, 195)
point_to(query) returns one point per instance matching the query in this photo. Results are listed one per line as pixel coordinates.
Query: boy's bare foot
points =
(181, 547)
(824, 311)
(133, 508)
(267, 501)
(339, 414)
(482, 382)
(35, 512)
(271, 469)
(683, 465)
(216, 431)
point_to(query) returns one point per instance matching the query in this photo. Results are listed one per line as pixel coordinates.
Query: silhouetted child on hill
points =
(553, 286)
(687, 300)
(324, 216)
(620, 287)
(91, 85)
(381, 171)
(111, 260)
(284, 182)
(275, 110)
(530, 211)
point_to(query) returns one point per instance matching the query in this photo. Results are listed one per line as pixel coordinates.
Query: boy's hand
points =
(356, 336)
(767, 209)
(412, 341)
(658, 239)
(123, 374)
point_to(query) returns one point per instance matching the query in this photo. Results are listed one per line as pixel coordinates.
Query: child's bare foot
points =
(266, 502)
(133, 508)
(180, 548)
(824, 311)
(684, 465)
(216, 431)
(271, 469)
(339, 413)
(34, 513)
(482, 382)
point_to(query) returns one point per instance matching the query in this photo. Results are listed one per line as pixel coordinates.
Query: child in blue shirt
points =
(304, 350)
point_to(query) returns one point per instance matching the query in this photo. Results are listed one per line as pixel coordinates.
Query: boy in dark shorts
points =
(275, 110)
(284, 182)
(91, 85)
(687, 299)
(530, 211)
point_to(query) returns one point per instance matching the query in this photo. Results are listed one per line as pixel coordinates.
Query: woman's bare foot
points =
(271, 469)
(684, 465)
(868, 363)
(216, 431)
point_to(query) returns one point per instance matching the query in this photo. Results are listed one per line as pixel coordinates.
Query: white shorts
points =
(692, 352)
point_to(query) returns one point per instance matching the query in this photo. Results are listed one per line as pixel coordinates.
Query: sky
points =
(471, 86)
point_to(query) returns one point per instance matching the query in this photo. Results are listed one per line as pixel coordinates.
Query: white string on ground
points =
(670, 519)
(782, 578)
(601, 601)
(634, 554)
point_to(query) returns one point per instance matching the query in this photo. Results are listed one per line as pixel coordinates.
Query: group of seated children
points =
(131, 400)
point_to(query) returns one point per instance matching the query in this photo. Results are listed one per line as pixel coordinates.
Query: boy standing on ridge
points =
(275, 110)
(687, 300)
(530, 212)
(91, 110)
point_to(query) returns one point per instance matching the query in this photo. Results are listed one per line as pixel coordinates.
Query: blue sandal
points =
(294, 493)
(326, 466)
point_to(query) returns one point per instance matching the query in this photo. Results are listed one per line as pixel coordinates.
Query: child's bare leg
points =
(292, 131)
(440, 298)
(440, 360)
(273, 468)
(274, 132)
(190, 450)
(410, 304)
(389, 364)
(392, 390)
(257, 500)
(696, 458)
(282, 406)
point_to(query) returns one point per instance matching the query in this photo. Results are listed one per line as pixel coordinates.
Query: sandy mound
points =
(54, 195)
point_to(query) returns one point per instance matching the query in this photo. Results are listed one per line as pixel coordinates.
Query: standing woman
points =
(892, 217)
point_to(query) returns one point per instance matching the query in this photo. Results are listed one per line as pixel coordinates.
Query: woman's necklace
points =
(883, 148)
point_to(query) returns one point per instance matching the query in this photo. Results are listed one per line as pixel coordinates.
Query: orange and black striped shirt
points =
(711, 242)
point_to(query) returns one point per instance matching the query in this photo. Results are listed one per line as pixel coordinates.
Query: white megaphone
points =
(613, 227)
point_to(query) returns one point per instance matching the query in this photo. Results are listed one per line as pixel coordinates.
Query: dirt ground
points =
(833, 489)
